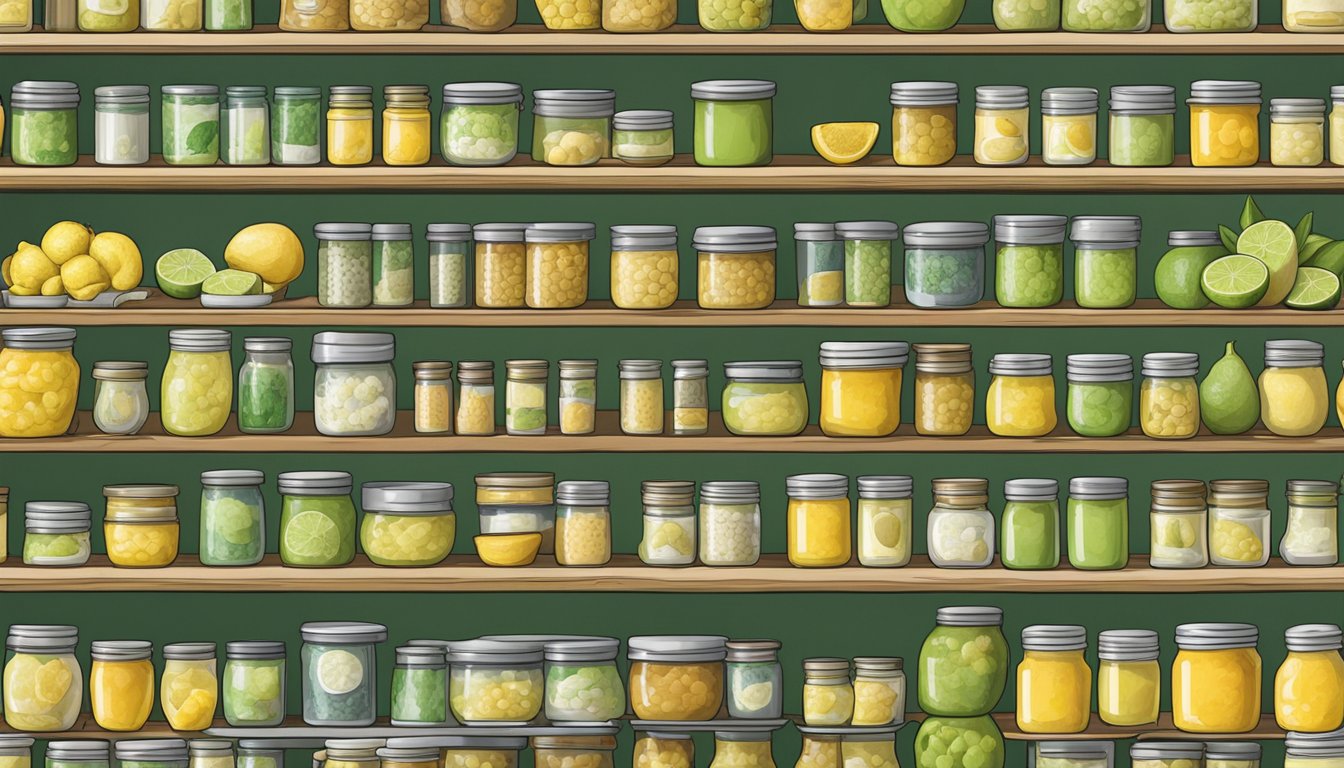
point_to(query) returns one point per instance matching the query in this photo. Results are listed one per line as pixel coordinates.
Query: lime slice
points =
(1235, 281)
(311, 535)
(1275, 244)
(180, 272)
(1315, 288)
(339, 672)
(232, 282)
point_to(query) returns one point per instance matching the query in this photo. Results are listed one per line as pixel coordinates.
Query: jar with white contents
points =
(1312, 535)
(730, 523)
(449, 285)
(121, 125)
(120, 399)
(669, 522)
(961, 527)
(344, 265)
(355, 388)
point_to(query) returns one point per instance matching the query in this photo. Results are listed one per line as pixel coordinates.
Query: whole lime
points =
(1178, 272)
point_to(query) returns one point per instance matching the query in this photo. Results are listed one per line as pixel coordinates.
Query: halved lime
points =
(232, 282)
(1274, 243)
(1236, 281)
(180, 272)
(1315, 288)
(311, 535)
(339, 671)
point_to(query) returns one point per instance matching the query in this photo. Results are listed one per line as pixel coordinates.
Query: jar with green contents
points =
(1142, 125)
(734, 122)
(317, 519)
(95, 16)
(1098, 523)
(582, 682)
(868, 249)
(821, 265)
(1107, 15)
(1210, 15)
(233, 518)
(1030, 528)
(190, 124)
(393, 265)
(958, 741)
(1026, 15)
(344, 264)
(1105, 260)
(764, 397)
(261, 753)
(449, 281)
(78, 754)
(340, 669)
(266, 385)
(1179, 269)
(571, 126)
(151, 753)
(296, 125)
(1100, 397)
(963, 663)
(407, 524)
(246, 116)
(642, 137)
(254, 683)
(945, 263)
(729, 16)
(56, 533)
(922, 15)
(45, 123)
(228, 15)
(419, 692)
(479, 124)
(1029, 260)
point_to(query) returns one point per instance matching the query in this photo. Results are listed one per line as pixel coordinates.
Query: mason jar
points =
(475, 398)
(669, 522)
(1068, 123)
(944, 389)
(642, 137)
(1002, 124)
(247, 125)
(1129, 679)
(1021, 397)
(690, 397)
(879, 691)
(1224, 123)
(495, 681)
(525, 396)
(828, 693)
(253, 685)
(1311, 536)
(1142, 125)
(734, 122)
(1294, 399)
(730, 523)
(755, 684)
(340, 672)
(344, 265)
(1178, 522)
(44, 123)
(861, 387)
(869, 246)
(1239, 523)
(641, 404)
(296, 127)
(1100, 397)
(449, 279)
(31, 648)
(433, 396)
(407, 524)
(821, 265)
(479, 124)
(56, 533)
(961, 527)
(582, 682)
(571, 127)
(190, 121)
(393, 266)
(1168, 396)
(1105, 260)
(266, 385)
(644, 266)
(1296, 132)
(1098, 523)
(885, 520)
(355, 387)
(923, 123)
(121, 125)
(233, 517)
(945, 263)
(819, 522)
(735, 267)
(317, 519)
(1030, 528)
(583, 522)
(578, 396)
(120, 398)
(1029, 260)
(419, 696)
(196, 392)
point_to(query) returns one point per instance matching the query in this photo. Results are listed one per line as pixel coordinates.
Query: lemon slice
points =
(844, 143)
(339, 672)
(755, 697)
(1080, 139)
(887, 529)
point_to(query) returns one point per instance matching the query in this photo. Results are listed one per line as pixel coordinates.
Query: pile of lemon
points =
(73, 261)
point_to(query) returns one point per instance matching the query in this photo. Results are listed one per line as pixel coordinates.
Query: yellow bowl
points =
(508, 549)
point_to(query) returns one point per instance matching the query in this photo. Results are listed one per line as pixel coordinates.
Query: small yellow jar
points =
(197, 389)
(571, 14)
(1224, 123)
(1054, 683)
(557, 264)
(140, 525)
(1239, 523)
(1166, 754)
(501, 265)
(1309, 685)
(879, 691)
(819, 750)
(1021, 398)
(861, 387)
(1002, 116)
(819, 520)
(1215, 679)
(641, 397)
(736, 267)
(1337, 125)
(39, 381)
(742, 749)
(1232, 754)
(189, 688)
(1294, 398)
(1168, 396)
(350, 753)
(885, 525)
(923, 123)
(662, 749)
(1296, 132)
(828, 694)
(944, 389)
(476, 397)
(1069, 126)
(350, 125)
(578, 397)
(433, 396)
(643, 266)
(583, 522)
(1129, 679)
(406, 125)
(121, 684)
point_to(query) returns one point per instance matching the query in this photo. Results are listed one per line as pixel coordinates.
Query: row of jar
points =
(16, 752)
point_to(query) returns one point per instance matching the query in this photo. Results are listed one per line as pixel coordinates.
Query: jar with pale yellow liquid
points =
(1129, 679)
(406, 125)
(1069, 126)
(1294, 398)
(641, 397)
(350, 125)
(1002, 135)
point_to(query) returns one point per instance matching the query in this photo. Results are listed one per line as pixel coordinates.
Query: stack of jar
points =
(852, 720)
(963, 670)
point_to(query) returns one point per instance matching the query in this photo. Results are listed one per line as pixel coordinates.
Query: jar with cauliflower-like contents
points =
(501, 265)
(1215, 678)
(197, 388)
(828, 694)
(734, 122)
(690, 397)
(820, 748)
(43, 684)
(1030, 529)
(1021, 398)
(557, 264)
(1142, 125)
(819, 533)
(676, 677)
(1054, 683)
(736, 267)
(449, 282)
(644, 267)
(140, 526)
(961, 528)
(764, 397)
(923, 123)
(663, 749)
(479, 123)
(189, 687)
(479, 16)
(755, 680)
(525, 396)
(407, 524)
(492, 681)
(355, 388)
(875, 748)
(879, 691)
(1002, 125)
(572, 126)
(317, 519)
(120, 399)
(1312, 534)
(1029, 260)
(884, 520)
(39, 381)
(1100, 395)
(45, 128)
(481, 751)
(1068, 123)
(393, 267)
(582, 682)
(344, 265)
(944, 389)
(1309, 684)
(254, 683)
(315, 15)
(1294, 400)
(1026, 16)
(1128, 677)
(578, 396)
(476, 397)
(1224, 123)
(405, 117)
(1206, 16)
(868, 247)
(266, 385)
(121, 684)
(642, 137)
(418, 694)
(16, 751)
(389, 16)
(518, 502)
(669, 522)
(861, 387)
(232, 517)
(1105, 260)
(821, 265)
(350, 125)
(575, 15)
(1178, 522)
(433, 396)
(1239, 523)
(78, 754)
(963, 663)
(340, 672)
(1296, 132)
(742, 749)
(56, 533)
(1168, 396)
(641, 397)
(730, 523)
(581, 749)
(583, 522)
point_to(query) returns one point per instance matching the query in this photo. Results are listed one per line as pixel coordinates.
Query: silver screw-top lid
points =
(1215, 636)
(1068, 101)
(1289, 108)
(923, 93)
(1170, 365)
(342, 632)
(583, 493)
(730, 492)
(643, 237)
(1143, 99)
(1014, 229)
(885, 486)
(1099, 368)
(1242, 751)
(1193, 238)
(1054, 637)
(317, 483)
(764, 370)
(1294, 353)
(946, 234)
(1224, 92)
(416, 498)
(733, 90)
(1031, 489)
(1029, 364)
(1107, 231)
(737, 239)
(336, 347)
(970, 616)
(200, 340)
(1127, 645)
(480, 93)
(867, 230)
(1098, 488)
(814, 231)
(343, 230)
(817, 486)
(1314, 637)
(1167, 750)
(1001, 97)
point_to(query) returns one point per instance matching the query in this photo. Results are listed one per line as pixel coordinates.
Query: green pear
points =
(1229, 402)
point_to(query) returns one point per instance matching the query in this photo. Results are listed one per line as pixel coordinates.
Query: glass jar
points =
(1142, 125)
(755, 686)
(1177, 522)
(121, 684)
(945, 263)
(45, 123)
(17, 751)
(821, 265)
(879, 691)
(449, 286)
(155, 753)
(479, 123)
(474, 751)
(1336, 111)
(690, 397)
(819, 534)
(393, 266)
(1204, 16)
(1002, 125)
(583, 522)
(875, 747)
(475, 397)
(315, 15)
(730, 523)
(580, 15)
(961, 528)
(923, 122)
(578, 396)
(1105, 260)
(1068, 115)
(668, 522)
(296, 117)
(350, 125)
(826, 15)
(525, 410)
(196, 393)
(742, 749)
(409, 753)
(764, 397)
(518, 502)
(663, 749)
(254, 683)
(140, 526)
(189, 687)
(1129, 681)
(1107, 15)
(501, 264)
(246, 117)
(60, 16)
(1168, 396)
(572, 126)
(433, 397)
(228, 15)
(171, 16)
(266, 385)
(78, 754)
(736, 267)
(1302, 16)
(1232, 754)
(1312, 534)
(344, 265)
(676, 677)
(351, 753)
(1166, 754)
(1309, 684)
(867, 269)
(1098, 523)
(1296, 132)
(317, 519)
(340, 671)
(401, 16)
(861, 387)
(642, 137)
(1021, 398)
(963, 663)
(261, 753)
(354, 389)
(820, 748)
(885, 524)
(1294, 400)
(43, 653)
(120, 112)
(55, 533)
(407, 524)
(1054, 682)
(490, 16)
(406, 110)
(910, 16)
(644, 266)
(120, 400)
(582, 747)
(190, 116)
(944, 389)
(1215, 679)
(1308, 750)
(641, 397)
(557, 264)
(418, 696)
(495, 682)
(1239, 523)
(1100, 394)
(582, 682)
(233, 517)
(734, 120)
(41, 402)
(1224, 123)
(1030, 530)
(1029, 260)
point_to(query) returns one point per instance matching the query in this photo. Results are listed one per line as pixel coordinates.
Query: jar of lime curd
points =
(1177, 524)
(1168, 396)
(923, 123)
(1309, 684)
(1129, 680)
(140, 526)
(197, 389)
(121, 684)
(961, 527)
(1030, 528)
(1142, 120)
(819, 527)
(1312, 534)
(734, 122)
(861, 387)
(1029, 260)
(1215, 679)
(317, 519)
(1068, 122)
(1294, 400)
(1021, 397)
(735, 267)
(1054, 683)
(39, 381)
(676, 677)
(963, 663)
(828, 694)
(1239, 523)
(885, 524)
(1100, 397)
(1105, 260)
(1224, 123)
(56, 533)
(1314, 750)
(407, 524)
(45, 654)
(765, 397)
(1098, 523)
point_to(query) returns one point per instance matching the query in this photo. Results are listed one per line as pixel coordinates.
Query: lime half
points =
(1235, 281)
(180, 272)
(232, 282)
(339, 672)
(1315, 288)
(312, 535)
(1273, 243)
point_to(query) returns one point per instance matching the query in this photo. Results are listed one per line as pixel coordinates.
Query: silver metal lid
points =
(117, 370)
(1224, 92)
(923, 93)
(574, 103)
(232, 477)
(1143, 99)
(970, 616)
(764, 370)
(1314, 637)
(560, 232)
(666, 493)
(640, 369)
(121, 94)
(1170, 365)
(42, 638)
(1296, 108)
(1232, 750)
(1099, 368)
(585, 649)
(40, 338)
(643, 237)
(1030, 229)
(495, 652)
(1001, 97)
(1031, 489)
(863, 354)
(730, 492)
(1127, 645)
(1068, 101)
(1214, 636)
(484, 742)
(1294, 353)
(642, 120)
(1314, 745)
(121, 650)
(482, 93)
(677, 648)
(826, 668)
(1075, 750)
(335, 230)
(297, 92)
(690, 369)
(421, 656)
(1166, 750)
(1054, 637)
(946, 234)
(814, 231)
(414, 498)
(210, 747)
(259, 650)
(190, 90)
(500, 232)
(267, 344)
(315, 483)
(342, 347)
(200, 340)
(79, 751)
(577, 369)
(877, 664)
(244, 92)
(746, 651)
(818, 485)
(1114, 231)
(1098, 488)
(342, 632)
(583, 493)
(385, 232)
(885, 486)
(733, 90)
(740, 239)
(189, 651)
(1029, 364)
(867, 230)
(447, 233)
(1193, 238)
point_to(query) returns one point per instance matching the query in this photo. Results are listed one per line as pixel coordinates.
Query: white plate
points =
(34, 302)
(110, 299)
(235, 302)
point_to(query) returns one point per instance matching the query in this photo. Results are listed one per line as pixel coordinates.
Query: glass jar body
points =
(1142, 140)
(860, 402)
(232, 525)
(734, 133)
(353, 704)
(730, 534)
(254, 692)
(1098, 534)
(332, 516)
(819, 534)
(944, 402)
(960, 537)
(1100, 408)
(354, 398)
(1128, 692)
(1030, 535)
(59, 708)
(924, 136)
(962, 670)
(1216, 691)
(1169, 407)
(479, 134)
(1021, 406)
(1224, 135)
(197, 392)
(121, 693)
(1054, 692)
(885, 532)
(735, 280)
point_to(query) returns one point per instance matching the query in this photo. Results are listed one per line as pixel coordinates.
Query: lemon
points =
(508, 549)
(21, 685)
(311, 534)
(120, 257)
(65, 240)
(270, 250)
(339, 671)
(1007, 127)
(53, 682)
(54, 287)
(887, 529)
(1003, 149)
(826, 286)
(844, 143)
(198, 711)
(29, 268)
(1177, 533)
(187, 683)
(755, 696)
(84, 277)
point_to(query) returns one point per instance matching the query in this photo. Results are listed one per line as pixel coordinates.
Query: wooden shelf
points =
(788, 173)
(535, 39)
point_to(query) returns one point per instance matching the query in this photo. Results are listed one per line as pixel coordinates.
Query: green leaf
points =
(1303, 230)
(203, 137)
(1228, 237)
(1250, 213)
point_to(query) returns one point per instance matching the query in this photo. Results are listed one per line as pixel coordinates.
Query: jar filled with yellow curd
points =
(433, 396)
(1224, 123)
(1069, 126)
(1312, 534)
(663, 749)
(923, 122)
(408, 753)
(819, 521)
(1129, 678)
(1239, 523)
(1337, 120)
(501, 265)
(495, 681)
(961, 527)
(1309, 685)
(39, 381)
(1021, 397)
(1215, 679)
(481, 751)
(525, 396)
(690, 397)
(583, 522)
(820, 749)
(406, 120)
(43, 684)
(735, 266)
(475, 397)
(1002, 125)
(828, 694)
(479, 16)
(1232, 754)
(643, 266)
(668, 522)
(578, 396)
(1054, 682)
(676, 677)
(944, 389)
(1166, 754)
(518, 502)
(140, 526)
(56, 533)
(861, 387)
(745, 748)
(641, 397)
(350, 125)
(885, 524)
(121, 684)
(879, 691)
(1177, 523)
(1296, 132)
(189, 686)
(196, 394)
(1168, 396)
(557, 264)
(1314, 750)
(764, 397)
(574, 751)
(1294, 399)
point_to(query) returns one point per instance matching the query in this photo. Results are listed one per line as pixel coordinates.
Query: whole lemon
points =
(66, 240)
(84, 277)
(29, 268)
(120, 259)
(270, 250)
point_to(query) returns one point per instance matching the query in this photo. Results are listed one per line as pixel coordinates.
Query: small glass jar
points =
(663, 749)
(669, 522)
(1336, 112)
(296, 127)
(755, 684)
(350, 125)
(1129, 680)
(752, 17)
(344, 265)
(821, 265)
(407, 524)
(46, 651)
(140, 525)
(923, 123)
(578, 396)
(819, 528)
(582, 748)
(861, 387)
(963, 663)
(78, 754)
(736, 267)
(1215, 678)
(344, 650)
(419, 696)
(1029, 260)
(644, 268)
(642, 137)
(489, 16)
(1105, 260)
(1098, 523)
(393, 266)
(156, 753)
(1022, 16)
(1107, 15)
(582, 682)
(1239, 523)
(1142, 125)
(1294, 399)
(1301, 16)
(190, 119)
(1312, 533)
(518, 502)
(1168, 396)
(266, 385)
(402, 16)
(690, 397)
(1100, 397)
(495, 682)
(501, 265)
(55, 533)
(1178, 521)
(879, 691)
(744, 748)
(1296, 132)
(1309, 684)
(45, 123)
(1068, 119)
(764, 398)
(405, 116)
(261, 753)
(1054, 682)
(233, 517)
(94, 17)
(120, 399)
(525, 396)
(1021, 398)
(730, 523)
(172, 16)
(120, 120)
(1030, 529)
(317, 519)
(121, 684)
(826, 15)
(945, 263)
(351, 753)
(1076, 754)
(557, 264)
(676, 677)
(479, 123)
(355, 387)
(875, 747)
(734, 121)
(572, 126)
(254, 683)
(868, 253)
(449, 280)
(196, 393)
(189, 687)
(641, 397)
(885, 522)
(475, 751)
(433, 397)
(475, 398)
(820, 748)
(246, 121)
(1002, 125)
(583, 522)
(1224, 123)
(17, 751)
(944, 389)
(960, 527)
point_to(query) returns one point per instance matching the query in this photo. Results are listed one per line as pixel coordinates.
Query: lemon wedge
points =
(844, 143)
(508, 549)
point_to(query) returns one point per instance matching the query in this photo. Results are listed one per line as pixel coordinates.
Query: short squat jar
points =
(1142, 125)
(1296, 132)
(644, 266)
(407, 524)
(1224, 123)
(1002, 125)
(479, 124)
(945, 263)
(351, 645)
(1105, 261)
(1168, 396)
(923, 123)
(56, 533)
(120, 397)
(1021, 397)
(821, 265)
(1294, 399)
(1029, 260)
(571, 126)
(1177, 523)
(140, 525)
(1195, 16)
(355, 388)
(642, 137)
(764, 398)
(557, 264)
(1068, 123)
(734, 122)
(828, 693)
(735, 267)
(121, 125)
(1100, 395)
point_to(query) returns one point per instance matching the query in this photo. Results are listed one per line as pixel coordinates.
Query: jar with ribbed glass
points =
(501, 265)
(734, 122)
(644, 267)
(821, 265)
(1168, 396)
(78, 754)
(730, 523)
(1054, 682)
(393, 266)
(1002, 125)
(578, 396)
(583, 522)
(140, 525)
(642, 137)
(960, 526)
(1029, 260)
(1021, 397)
(1294, 400)
(449, 283)
(419, 696)
(266, 385)
(963, 662)
(669, 522)
(17, 751)
(1296, 132)
(233, 518)
(296, 126)
(479, 123)
(945, 263)
(121, 684)
(1312, 533)
(641, 397)
(317, 519)
(196, 392)
(1100, 394)
(735, 267)
(1129, 680)
(246, 124)
(819, 528)
(344, 264)
(1105, 262)
(1215, 678)
(1309, 684)
(340, 672)
(861, 387)
(55, 533)
(350, 125)
(407, 524)
(190, 122)
(557, 264)
(121, 124)
(120, 398)
(1068, 121)
(755, 681)
(571, 126)
(944, 389)
(1239, 523)
(1178, 521)
(885, 524)
(253, 685)
(1107, 15)
(354, 387)
(828, 694)
(45, 123)
(1224, 123)
(764, 398)
(261, 753)
(42, 657)
(690, 397)
(923, 123)
(475, 398)
(525, 396)
(1030, 529)
(406, 122)
(1142, 125)
(1098, 523)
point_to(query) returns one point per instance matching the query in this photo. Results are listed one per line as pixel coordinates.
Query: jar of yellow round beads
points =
(663, 749)
(580, 748)
(479, 16)
(765, 397)
(1069, 126)
(140, 526)
(388, 15)
(641, 397)
(39, 381)
(121, 684)
(669, 522)
(743, 748)
(406, 122)
(1177, 523)
(407, 524)
(433, 396)
(1129, 679)
(197, 387)
(736, 267)
(1224, 123)
(828, 694)
(578, 396)
(493, 681)
(643, 266)
(583, 522)
(676, 677)
(571, 14)
(690, 397)
(1294, 399)
(476, 397)
(819, 530)
(501, 265)
(1002, 125)
(1168, 396)
(572, 126)
(820, 748)
(1239, 523)
(189, 687)
(885, 524)
(944, 389)
(861, 387)
(557, 264)
(120, 399)
(315, 15)
(638, 15)
(1296, 132)
(923, 122)
(1021, 399)
(350, 125)
(879, 691)
(481, 751)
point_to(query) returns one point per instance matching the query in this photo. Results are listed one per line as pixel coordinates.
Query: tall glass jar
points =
(755, 684)
(247, 117)
(340, 672)
(518, 502)
(944, 389)
(121, 123)
(1098, 523)
(1107, 15)
(121, 683)
(861, 387)
(1029, 260)
(1177, 522)
(1294, 400)
(1142, 125)
(254, 683)
(1021, 398)
(501, 264)
(393, 265)
(189, 687)
(1168, 396)
(690, 397)
(578, 396)
(1100, 394)
(960, 527)
(1105, 262)
(1068, 122)
(1129, 680)
(315, 15)
(419, 696)
(354, 387)
(475, 397)
(764, 397)
(266, 385)
(583, 522)
(344, 265)
(734, 122)
(735, 266)
(963, 663)
(644, 267)
(350, 125)
(1030, 530)
(669, 522)
(449, 280)
(868, 249)
(433, 396)
(56, 533)
(296, 126)
(819, 529)
(45, 122)
(571, 126)
(1002, 125)
(885, 521)
(821, 265)
(190, 120)
(46, 653)
(828, 693)
(525, 397)
(1224, 123)
(643, 137)
(557, 264)
(1215, 678)
(120, 398)
(405, 119)
(197, 387)
(1296, 132)
(1239, 523)
(233, 517)
(479, 123)
(730, 523)
(641, 405)
(582, 682)
(140, 525)
(923, 123)
(495, 682)
(1054, 682)
(879, 691)
(1309, 684)
(317, 519)
(945, 263)
(1312, 533)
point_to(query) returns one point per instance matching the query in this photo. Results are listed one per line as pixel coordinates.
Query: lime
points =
(1235, 281)
(180, 272)
(1315, 288)
(339, 671)
(1177, 275)
(232, 282)
(311, 535)
(1275, 244)
(1328, 257)
(1314, 243)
